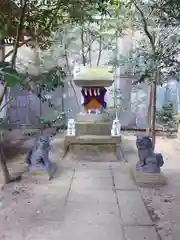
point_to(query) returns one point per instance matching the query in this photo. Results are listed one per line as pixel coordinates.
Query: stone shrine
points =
(93, 130)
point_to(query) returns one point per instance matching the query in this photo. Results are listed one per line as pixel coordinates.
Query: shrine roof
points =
(99, 76)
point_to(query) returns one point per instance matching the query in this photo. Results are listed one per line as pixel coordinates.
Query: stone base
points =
(45, 174)
(90, 144)
(96, 148)
(98, 128)
(148, 178)
(84, 117)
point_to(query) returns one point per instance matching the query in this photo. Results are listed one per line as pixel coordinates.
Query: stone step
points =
(98, 139)
(91, 128)
(84, 117)
(93, 144)
(92, 139)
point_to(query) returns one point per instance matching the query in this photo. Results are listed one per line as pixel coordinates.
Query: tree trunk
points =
(89, 50)
(3, 164)
(71, 81)
(2, 159)
(153, 113)
(83, 46)
(148, 119)
(100, 42)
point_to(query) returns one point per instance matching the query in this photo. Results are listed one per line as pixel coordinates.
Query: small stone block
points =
(142, 178)
(45, 174)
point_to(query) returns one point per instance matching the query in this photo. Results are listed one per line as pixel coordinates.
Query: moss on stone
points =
(98, 73)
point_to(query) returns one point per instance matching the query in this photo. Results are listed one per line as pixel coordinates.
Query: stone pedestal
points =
(93, 124)
(42, 173)
(99, 129)
(93, 117)
(142, 178)
(93, 135)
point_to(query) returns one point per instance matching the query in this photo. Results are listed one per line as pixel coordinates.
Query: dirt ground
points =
(163, 202)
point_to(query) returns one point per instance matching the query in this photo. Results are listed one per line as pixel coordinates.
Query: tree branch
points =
(82, 46)
(145, 26)
(96, 38)
(69, 70)
(100, 42)
(10, 100)
(89, 47)
(19, 30)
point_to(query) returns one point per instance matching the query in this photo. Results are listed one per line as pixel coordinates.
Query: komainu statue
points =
(149, 162)
(38, 157)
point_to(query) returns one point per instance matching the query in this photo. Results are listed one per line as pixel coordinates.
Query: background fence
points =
(26, 108)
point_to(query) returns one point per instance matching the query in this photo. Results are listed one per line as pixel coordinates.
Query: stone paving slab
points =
(120, 167)
(132, 208)
(50, 209)
(93, 174)
(92, 196)
(93, 166)
(9, 235)
(79, 229)
(92, 183)
(140, 233)
(123, 181)
(92, 212)
(44, 230)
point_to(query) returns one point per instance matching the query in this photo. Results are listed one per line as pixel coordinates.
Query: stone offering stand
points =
(92, 128)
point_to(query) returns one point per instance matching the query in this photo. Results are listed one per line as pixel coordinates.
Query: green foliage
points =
(4, 124)
(50, 80)
(165, 116)
(44, 83)
(177, 117)
(155, 54)
(9, 75)
(47, 16)
(168, 10)
(55, 119)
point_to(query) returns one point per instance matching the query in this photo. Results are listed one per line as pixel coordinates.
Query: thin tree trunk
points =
(152, 40)
(19, 31)
(153, 113)
(70, 81)
(100, 42)
(89, 49)
(3, 164)
(83, 46)
(62, 100)
(148, 119)
(4, 167)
